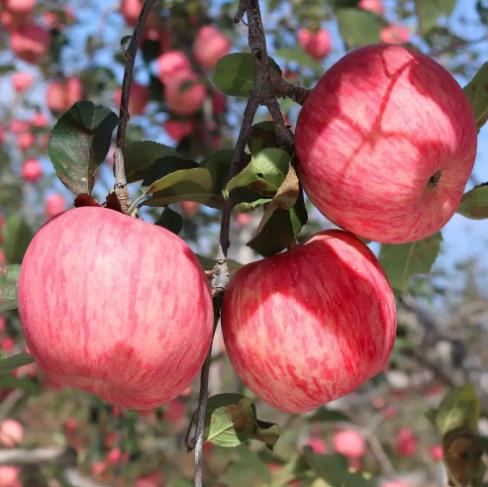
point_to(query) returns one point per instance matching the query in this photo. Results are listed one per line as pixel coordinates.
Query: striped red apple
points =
(307, 326)
(115, 306)
(386, 143)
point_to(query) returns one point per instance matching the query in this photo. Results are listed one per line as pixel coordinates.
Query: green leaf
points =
(247, 470)
(17, 236)
(263, 136)
(359, 27)
(231, 420)
(264, 173)
(459, 408)
(429, 11)
(234, 74)
(477, 93)
(326, 414)
(474, 204)
(164, 167)
(9, 275)
(7, 364)
(334, 470)
(79, 143)
(141, 155)
(401, 262)
(171, 220)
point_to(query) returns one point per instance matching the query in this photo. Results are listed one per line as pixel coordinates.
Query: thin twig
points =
(130, 56)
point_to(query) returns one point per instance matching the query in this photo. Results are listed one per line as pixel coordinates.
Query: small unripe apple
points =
(172, 63)
(310, 325)
(22, 81)
(130, 10)
(11, 433)
(30, 42)
(349, 443)
(395, 34)
(115, 306)
(386, 143)
(184, 94)
(178, 129)
(316, 44)
(31, 171)
(9, 476)
(54, 205)
(406, 442)
(375, 6)
(20, 6)
(209, 46)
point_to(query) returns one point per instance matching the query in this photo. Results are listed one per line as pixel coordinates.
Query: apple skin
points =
(310, 325)
(30, 42)
(31, 171)
(373, 136)
(115, 306)
(209, 46)
(316, 44)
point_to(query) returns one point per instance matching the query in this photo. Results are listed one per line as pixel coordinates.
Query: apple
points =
(115, 306)
(184, 94)
(317, 445)
(54, 205)
(22, 81)
(406, 442)
(436, 453)
(395, 34)
(350, 443)
(9, 476)
(130, 10)
(395, 483)
(7, 344)
(11, 433)
(311, 324)
(39, 120)
(31, 171)
(3, 323)
(243, 219)
(62, 94)
(154, 479)
(30, 42)
(190, 208)
(375, 6)
(18, 126)
(20, 6)
(25, 141)
(138, 99)
(2, 257)
(172, 63)
(386, 143)
(209, 46)
(178, 129)
(316, 44)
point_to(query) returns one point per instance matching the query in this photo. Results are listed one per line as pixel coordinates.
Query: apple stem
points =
(130, 55)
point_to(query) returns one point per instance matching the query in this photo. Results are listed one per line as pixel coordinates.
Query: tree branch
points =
(130, 55)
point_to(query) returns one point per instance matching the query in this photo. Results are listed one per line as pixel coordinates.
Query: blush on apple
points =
(31, 171)
(30, 42)
(115, 306)
(317, 44)
(209, 46)
(310, 325)
(386, 143)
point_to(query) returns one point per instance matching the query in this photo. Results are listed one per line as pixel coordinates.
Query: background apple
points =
(22, 81)
(317, 44)
(383, 176)
(30, 42)
(395, 34)
(54, 204)
(209, 46)
(9, 476)
(375, 6)
(62, 94)
(130, 10)
(20, 6)
(171, 63)
(31, 171)
(406, 442)
(11, 433)
(185, 94)
(350, 443)
(310, 325)
(139, 96)
(145, 296)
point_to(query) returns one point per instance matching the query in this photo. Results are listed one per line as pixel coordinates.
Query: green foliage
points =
(170, 220)
(79, 142)
(7, 364)
(17, 235)
(403, 261)
(234, 74)
(231, 420)
(477, 93)
(474, 204)
(9, 276)
(359, 27)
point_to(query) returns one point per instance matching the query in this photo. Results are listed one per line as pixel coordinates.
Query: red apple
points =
(22, 81)
(18, 126)
(154, 479)
(349, 443)
(316, 44)
(30, 42)
(375, 6)
(209, 46)
(138, 99)
(436, 453)
(9, 476)
(61, 95)
(395, 483)
(7, 344)
(130, 10)
(317, 445)
(190, 208)
(54, 205)
(395, 34)
(115, 306)
(39, 120)
(406, 442)
(172, 63)
(309, 325)
(2, 257)
(386, 143)
(11, 433)
(243, 219)
(178, 129)
(20, 6)
(25, 141)
(184, 94)
(31, 171)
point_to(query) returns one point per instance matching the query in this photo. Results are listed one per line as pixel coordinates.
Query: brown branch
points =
(130, 56)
